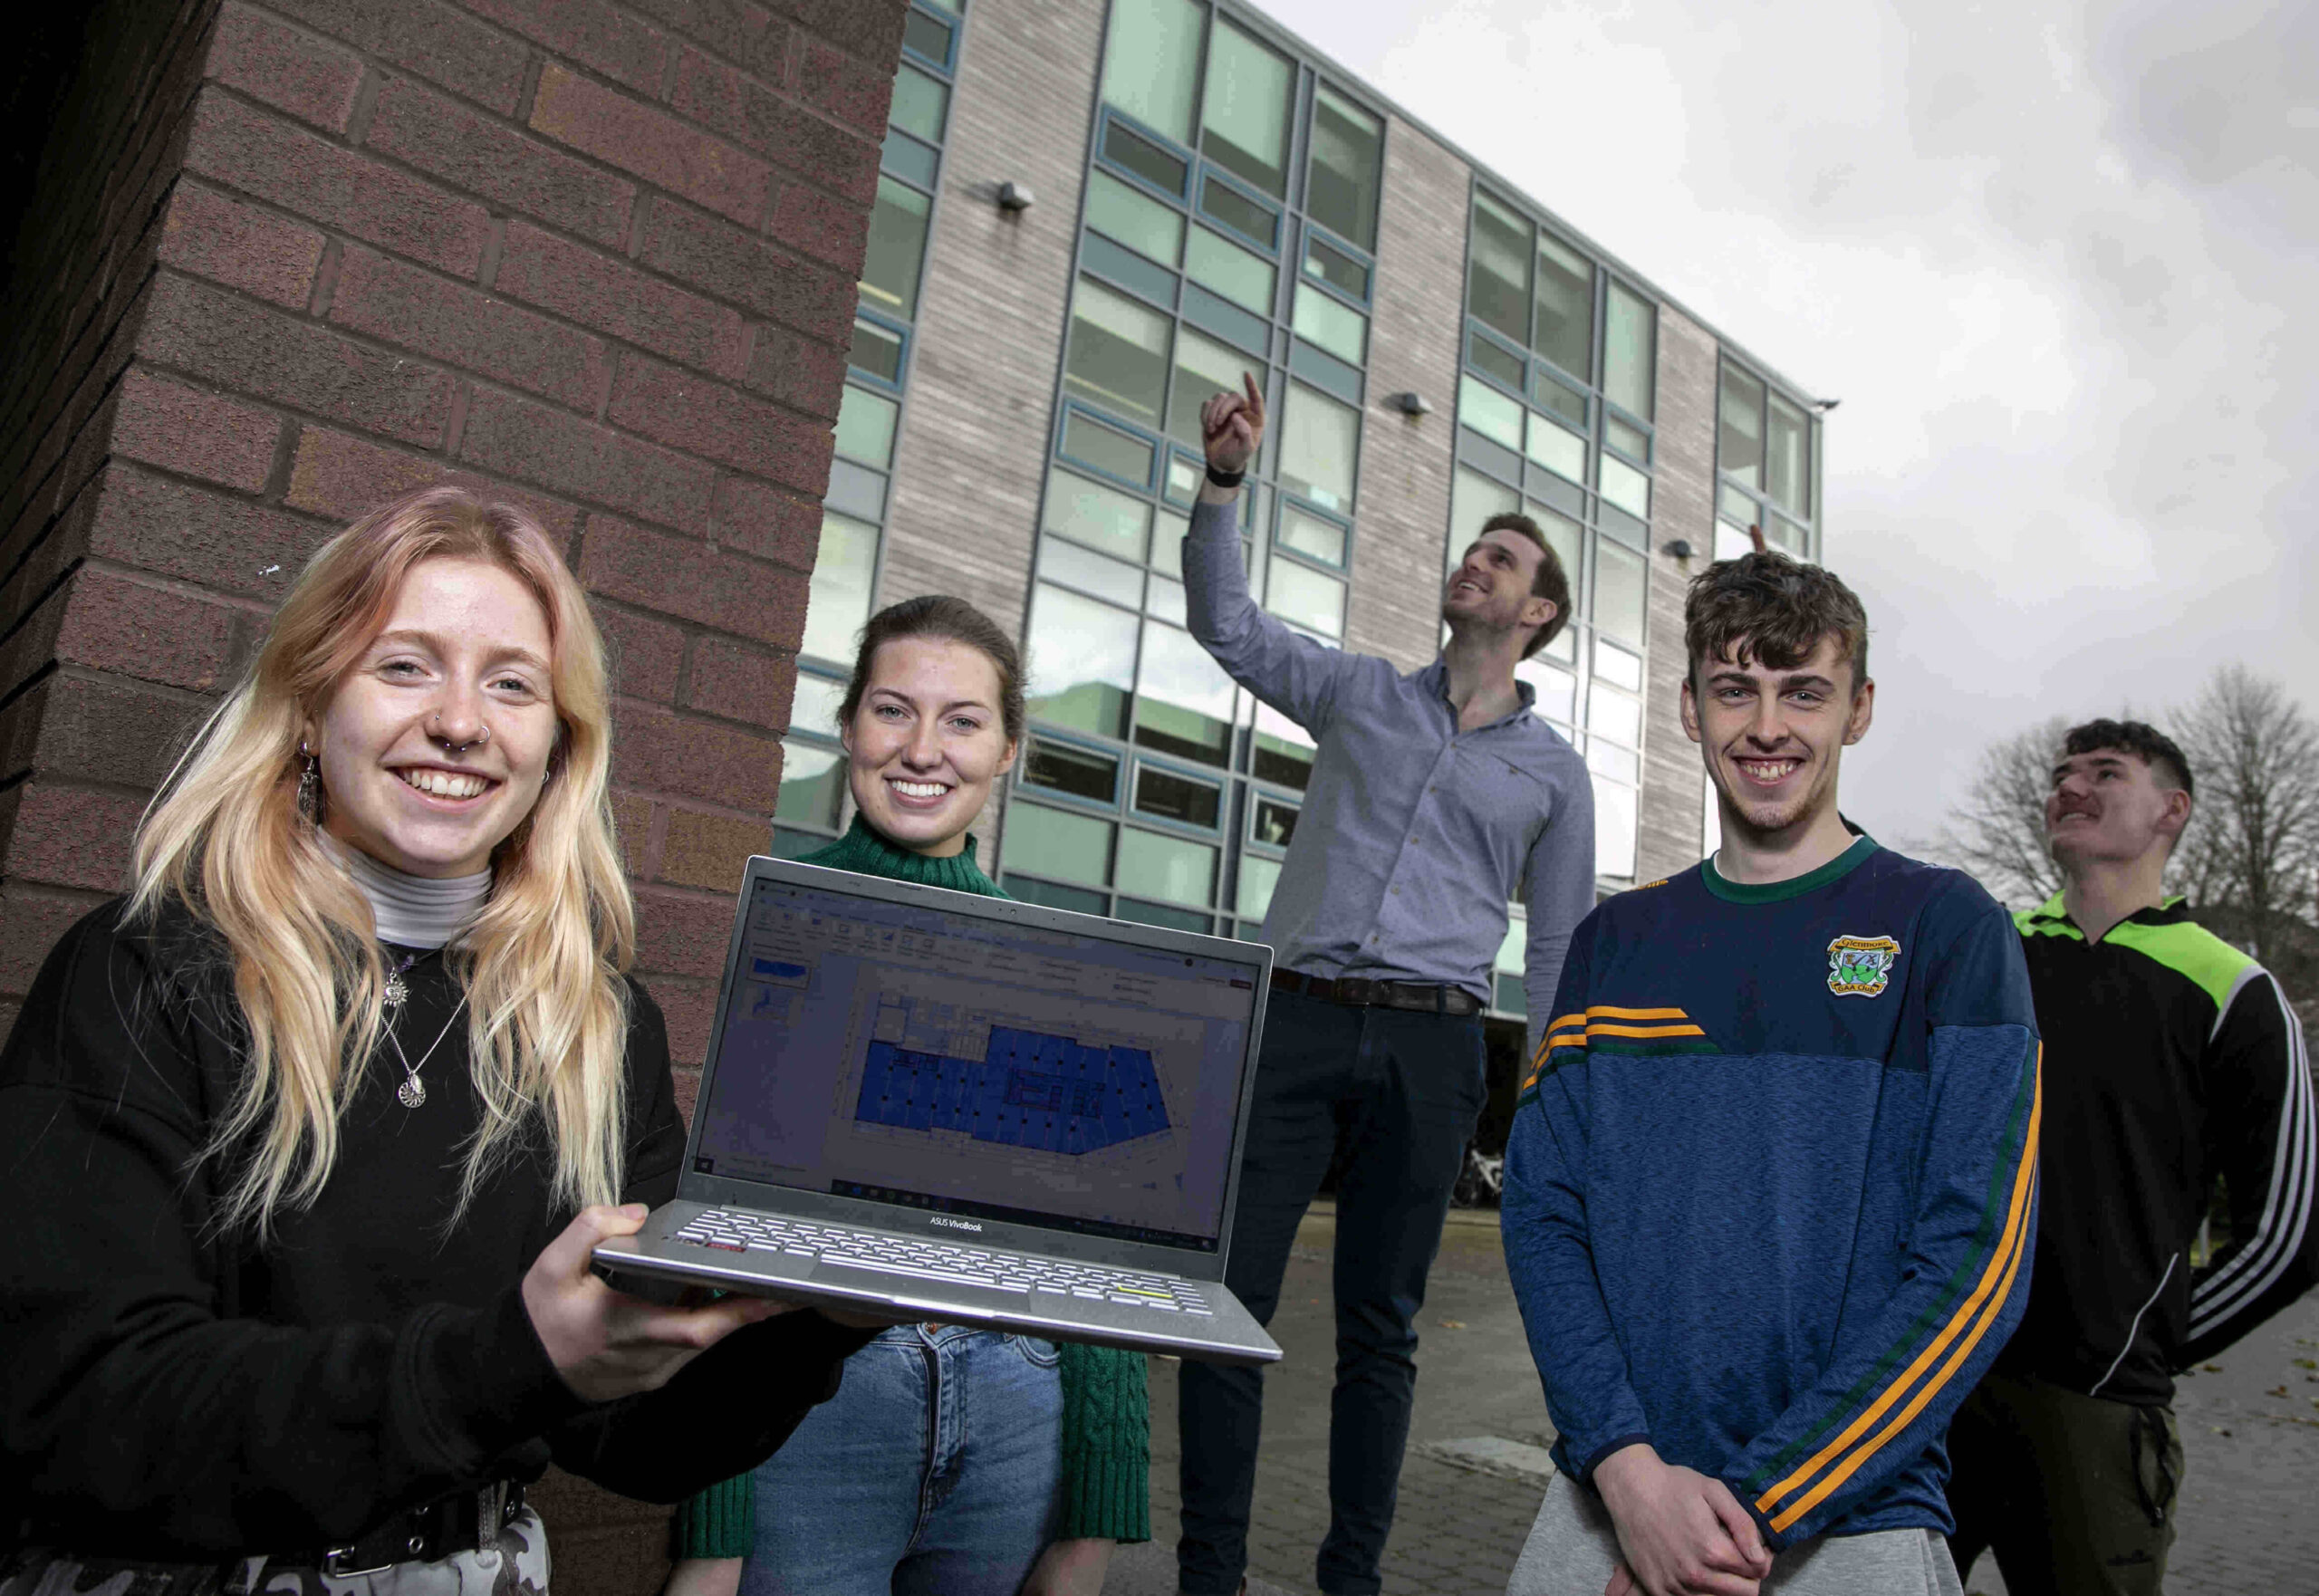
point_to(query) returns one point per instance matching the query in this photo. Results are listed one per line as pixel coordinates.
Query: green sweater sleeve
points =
(1106, 1445)
(720, 1522)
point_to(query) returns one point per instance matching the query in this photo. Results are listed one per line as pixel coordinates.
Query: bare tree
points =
(1997, 834)
(2251, 856)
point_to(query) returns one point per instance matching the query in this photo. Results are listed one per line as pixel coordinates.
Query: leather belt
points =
(1422, 996)
(463, 1520)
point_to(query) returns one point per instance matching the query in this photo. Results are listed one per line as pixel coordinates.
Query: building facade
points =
(1091, 216)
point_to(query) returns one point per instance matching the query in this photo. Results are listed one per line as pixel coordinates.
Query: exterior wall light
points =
(1408, 404)
(1015, 197)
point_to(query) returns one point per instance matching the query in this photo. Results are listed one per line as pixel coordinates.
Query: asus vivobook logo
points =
(954, 1223)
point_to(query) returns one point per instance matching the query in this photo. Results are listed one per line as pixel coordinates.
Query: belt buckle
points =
(335, 1563)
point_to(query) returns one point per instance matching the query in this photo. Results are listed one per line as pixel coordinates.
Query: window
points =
(889, 270)
(1766, 449)
(1630, 352)
(1153, 63)
(1320, 441)
(1497, 282)
(1244, 119)
(1083, 662)
(1347, 166)
(1565, 307)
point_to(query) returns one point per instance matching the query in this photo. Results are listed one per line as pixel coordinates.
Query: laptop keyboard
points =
(732, 1230)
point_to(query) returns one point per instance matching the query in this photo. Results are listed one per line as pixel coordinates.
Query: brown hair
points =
(1769, 608)
(938, 615)
(2153, 747)
(1552, 584)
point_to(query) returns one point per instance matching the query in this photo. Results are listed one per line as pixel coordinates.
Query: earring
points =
(310, 783)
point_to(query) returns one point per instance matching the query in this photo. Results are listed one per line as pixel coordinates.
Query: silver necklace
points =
(412, 1093)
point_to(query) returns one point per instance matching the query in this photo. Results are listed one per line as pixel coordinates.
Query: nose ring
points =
(434, 725)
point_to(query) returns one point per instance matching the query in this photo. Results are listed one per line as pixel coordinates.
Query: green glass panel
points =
(1174, 869)
(838, 601)
(1062, 767)
(1612, 714)
(1167, 535)
(1310, 535)
(897, 248)
(1474, 499)
(1235, 210)
(1621, 585)
(1630, 350)
(876, 351)
(1335, 327)
(1118, 353)
(1275, 823)
(929, 36)
(1628, 438)
(1739, 428)
(1204, 368)
(1558, 449)
(1490, 412)
(813, 781)
(814, 706)
(1334, 267)
(1258, 878)
(1134, 218)
(1283, 752)
(1089, 571)
(1146, 160)
(1625, 487)
(1557, 689)
(1083, 662)
(1301, 595)
(906, 157)
(921, 104)
(1320, 446)
(1107, 449)
(865, 427)
(1490, 356)
(1152, 66)
(1564, 334)
(1617, 666)
(1347, 161)
(1244, 278)
(1513, 947)
(1154, 914)
(1101, 518)
(1183, 702)
(1567, 539)
(1243, 119)
(1186, 801)
(1498, 284)
(1787, 457)
(1614, 815)
(1054, 896)
(1057, 842)
(1735, 507)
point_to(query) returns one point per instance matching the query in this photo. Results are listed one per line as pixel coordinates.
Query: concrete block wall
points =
(1674, 785)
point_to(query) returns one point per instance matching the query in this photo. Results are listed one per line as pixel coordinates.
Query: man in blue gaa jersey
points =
(1771, 1181)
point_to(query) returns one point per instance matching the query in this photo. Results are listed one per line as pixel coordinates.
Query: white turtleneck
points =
(411, 911)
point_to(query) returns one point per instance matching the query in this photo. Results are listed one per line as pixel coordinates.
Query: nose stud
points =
(434, 730)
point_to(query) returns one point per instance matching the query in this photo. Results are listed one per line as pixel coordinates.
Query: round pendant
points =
(397, 992)
(410, 1093)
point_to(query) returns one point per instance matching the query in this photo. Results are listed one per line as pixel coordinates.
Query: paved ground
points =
(2250, 1523)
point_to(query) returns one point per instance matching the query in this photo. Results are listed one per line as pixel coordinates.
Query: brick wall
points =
(1673, 783)
(284, 260)
(1405, 461)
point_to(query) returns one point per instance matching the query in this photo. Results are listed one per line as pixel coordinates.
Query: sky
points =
(2058, 262)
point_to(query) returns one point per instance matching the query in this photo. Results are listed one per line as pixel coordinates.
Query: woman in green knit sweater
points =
(967, 1462)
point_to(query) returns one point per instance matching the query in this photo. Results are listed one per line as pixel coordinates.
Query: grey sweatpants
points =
(1573, 1549)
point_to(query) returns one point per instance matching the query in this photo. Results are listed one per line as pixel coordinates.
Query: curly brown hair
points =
(1769, 608)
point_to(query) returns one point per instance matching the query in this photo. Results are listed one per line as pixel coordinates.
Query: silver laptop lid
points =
(914, 1059)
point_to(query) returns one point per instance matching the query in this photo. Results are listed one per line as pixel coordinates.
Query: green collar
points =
(2051, 918)
(1835, 870)
(863, 851)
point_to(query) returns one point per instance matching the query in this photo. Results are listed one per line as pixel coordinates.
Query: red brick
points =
(665, 752)
(199, 434)
(220, 337)
(71, 837)
(759, 519)
(615, 298)
(710, 852)
(35, 918)
(646, 655)
(174, 529)
(737, 30)
(689, 1009)
(247, 149)
(152, 633)
(871, 29)
(10, 1008)
(412, 307)
(646, 140)
(822, 225)
(500, 163)
(755, 117)
(706, 416)
(310, 79)
(632, 823)
(740, 268)
(439, 42)
(800, 372)
(598, 35)
(684, 933)
(237, 244)
(343, 478)
(515, 437)
(105, 728)
(741, 683)
(846, 87)
(695, 582)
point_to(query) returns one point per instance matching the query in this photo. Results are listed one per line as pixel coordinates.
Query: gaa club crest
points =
(1859, 966)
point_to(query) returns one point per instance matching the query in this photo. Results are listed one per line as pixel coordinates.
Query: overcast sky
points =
(2059, 262)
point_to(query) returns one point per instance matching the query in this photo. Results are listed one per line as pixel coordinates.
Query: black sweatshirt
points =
(173, 1394)
(2171, 1058)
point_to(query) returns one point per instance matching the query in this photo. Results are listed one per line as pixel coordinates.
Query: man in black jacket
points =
(2172, 1060)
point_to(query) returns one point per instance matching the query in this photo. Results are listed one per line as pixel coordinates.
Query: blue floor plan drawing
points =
(1028, 1090)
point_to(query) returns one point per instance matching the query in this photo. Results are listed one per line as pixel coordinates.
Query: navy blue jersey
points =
(1772, 1180)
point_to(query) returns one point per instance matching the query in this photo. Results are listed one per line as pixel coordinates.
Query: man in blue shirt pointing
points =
(1437, 797)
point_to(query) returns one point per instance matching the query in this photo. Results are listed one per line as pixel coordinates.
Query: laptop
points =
(970, 1110)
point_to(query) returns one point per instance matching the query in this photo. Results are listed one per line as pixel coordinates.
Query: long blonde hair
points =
(543, 962)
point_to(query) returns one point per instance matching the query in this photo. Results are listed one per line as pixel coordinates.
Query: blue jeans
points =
(1396, 1094)
(937, 1467)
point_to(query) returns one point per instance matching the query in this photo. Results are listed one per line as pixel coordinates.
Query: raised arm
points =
(2261, 1139)
(1288, 670)
(1557, 891)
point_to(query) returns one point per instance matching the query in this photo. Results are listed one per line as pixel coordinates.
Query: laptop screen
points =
(906, 1053)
